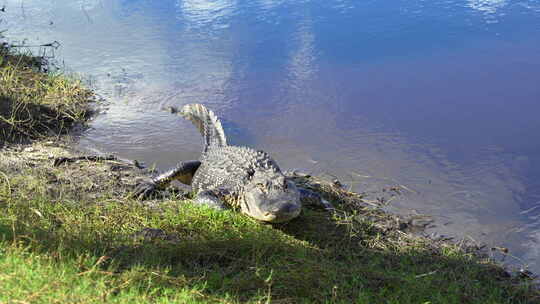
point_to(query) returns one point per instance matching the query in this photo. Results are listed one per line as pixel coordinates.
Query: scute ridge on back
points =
(207, 123)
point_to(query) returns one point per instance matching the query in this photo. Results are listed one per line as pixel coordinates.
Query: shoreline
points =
(77, 217)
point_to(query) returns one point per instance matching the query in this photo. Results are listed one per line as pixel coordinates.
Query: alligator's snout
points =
(277, 208)
(270, 197)
(282, 214)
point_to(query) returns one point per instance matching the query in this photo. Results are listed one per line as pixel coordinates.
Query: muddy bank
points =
(73, 174)
(65, 174)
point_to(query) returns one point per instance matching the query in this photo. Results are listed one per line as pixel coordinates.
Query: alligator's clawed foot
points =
(144, 190)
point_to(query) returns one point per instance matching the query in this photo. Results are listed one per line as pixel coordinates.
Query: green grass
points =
(31, 278)
(88, 250)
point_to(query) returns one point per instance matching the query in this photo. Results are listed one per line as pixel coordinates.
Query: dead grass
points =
(34, 104)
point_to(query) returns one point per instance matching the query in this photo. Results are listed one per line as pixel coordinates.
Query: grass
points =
(34, 105)
(62, 242)
(70, 233)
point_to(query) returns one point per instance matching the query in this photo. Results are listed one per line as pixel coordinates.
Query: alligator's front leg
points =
(182, 172)
(210, 199)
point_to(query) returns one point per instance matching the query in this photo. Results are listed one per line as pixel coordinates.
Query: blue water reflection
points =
(439, 96)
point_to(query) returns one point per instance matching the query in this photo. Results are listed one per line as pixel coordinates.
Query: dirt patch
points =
(78, 180)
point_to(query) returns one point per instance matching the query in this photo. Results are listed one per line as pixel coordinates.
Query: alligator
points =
(232, 176)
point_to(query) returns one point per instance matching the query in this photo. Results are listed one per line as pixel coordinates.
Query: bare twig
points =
(60, 160)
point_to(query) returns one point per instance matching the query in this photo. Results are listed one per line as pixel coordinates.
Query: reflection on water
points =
(440, 97)
(302, 61)
(204, 12)
(487, 6)
(490, 8)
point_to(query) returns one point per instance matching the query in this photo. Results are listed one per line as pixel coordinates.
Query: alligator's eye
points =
(261, 186)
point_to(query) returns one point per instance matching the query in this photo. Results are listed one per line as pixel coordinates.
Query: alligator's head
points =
(270, 197)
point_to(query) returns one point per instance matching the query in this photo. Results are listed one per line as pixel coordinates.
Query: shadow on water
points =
(236, 135)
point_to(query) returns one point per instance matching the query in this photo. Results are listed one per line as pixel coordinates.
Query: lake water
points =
(440, 96)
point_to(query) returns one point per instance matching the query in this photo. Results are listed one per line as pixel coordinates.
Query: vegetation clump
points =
(34, 104)
(69, 232)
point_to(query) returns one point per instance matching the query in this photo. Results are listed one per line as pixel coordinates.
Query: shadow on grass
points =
(34, 103)
(314, 258)
(22, 122)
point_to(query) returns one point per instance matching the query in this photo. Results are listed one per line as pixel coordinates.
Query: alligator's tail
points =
(207, 123)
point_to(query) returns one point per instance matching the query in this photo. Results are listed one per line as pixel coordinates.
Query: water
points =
(442, 97)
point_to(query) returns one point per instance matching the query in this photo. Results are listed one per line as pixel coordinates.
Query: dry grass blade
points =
(35, 105)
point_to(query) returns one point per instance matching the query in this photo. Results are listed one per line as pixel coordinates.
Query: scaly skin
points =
(237, 177)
